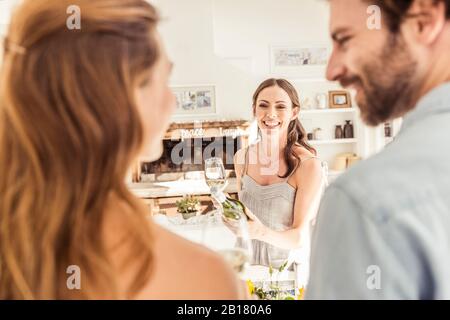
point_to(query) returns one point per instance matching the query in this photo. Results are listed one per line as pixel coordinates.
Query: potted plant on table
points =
(189, 206)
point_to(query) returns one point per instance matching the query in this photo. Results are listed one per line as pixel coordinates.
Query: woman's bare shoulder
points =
(302, 152)
(185, 270)
(310, 166)
(239, 156)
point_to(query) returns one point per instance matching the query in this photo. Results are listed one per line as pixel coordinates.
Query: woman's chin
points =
(271, 132)
(270, 129)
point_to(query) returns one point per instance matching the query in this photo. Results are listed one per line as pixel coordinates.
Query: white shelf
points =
(333, 141)
(322, 111)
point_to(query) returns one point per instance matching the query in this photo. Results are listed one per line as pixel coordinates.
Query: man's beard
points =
(387, 83)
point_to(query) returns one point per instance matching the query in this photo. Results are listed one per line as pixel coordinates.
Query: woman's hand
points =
(256, 228)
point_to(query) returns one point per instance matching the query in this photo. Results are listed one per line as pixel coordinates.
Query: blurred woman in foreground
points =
(77, 108)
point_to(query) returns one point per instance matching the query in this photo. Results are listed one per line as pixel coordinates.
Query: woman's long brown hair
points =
(296, 133)
(69, 130)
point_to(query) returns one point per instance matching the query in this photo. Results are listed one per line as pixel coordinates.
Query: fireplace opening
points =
(187, 155)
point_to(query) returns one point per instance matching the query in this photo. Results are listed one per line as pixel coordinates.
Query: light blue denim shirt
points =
(383, 228)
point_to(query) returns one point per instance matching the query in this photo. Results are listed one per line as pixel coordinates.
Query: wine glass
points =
(215, 173)
(230, 239)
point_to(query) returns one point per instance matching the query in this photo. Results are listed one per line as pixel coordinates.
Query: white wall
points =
(248, 28)
(6, 7)
(227, 43)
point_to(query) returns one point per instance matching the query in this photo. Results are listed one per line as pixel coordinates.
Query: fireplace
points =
(187, 145)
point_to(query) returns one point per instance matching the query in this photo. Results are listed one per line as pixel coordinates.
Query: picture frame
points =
(299, 61)
(339, 99)
(195, 100)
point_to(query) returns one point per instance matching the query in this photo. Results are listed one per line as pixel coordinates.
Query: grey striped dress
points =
(274, 206)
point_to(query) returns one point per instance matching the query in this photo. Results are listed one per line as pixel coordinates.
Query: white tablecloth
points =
(205, 230)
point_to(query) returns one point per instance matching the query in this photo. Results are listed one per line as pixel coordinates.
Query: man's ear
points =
(427, 19)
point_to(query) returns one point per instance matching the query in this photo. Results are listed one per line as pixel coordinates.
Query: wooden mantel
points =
(200, 129)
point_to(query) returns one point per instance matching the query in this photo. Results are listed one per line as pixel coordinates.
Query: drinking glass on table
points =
(229, 239)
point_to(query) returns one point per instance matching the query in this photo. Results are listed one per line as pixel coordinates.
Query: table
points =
(161, 197)
(193, 229)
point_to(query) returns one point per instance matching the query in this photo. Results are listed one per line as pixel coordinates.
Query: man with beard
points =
(383, 230)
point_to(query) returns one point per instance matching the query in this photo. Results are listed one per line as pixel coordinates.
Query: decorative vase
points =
(338, 132)
(348, 130)
(321, 100)
(387, 130)
(318, 134)
(306, 103)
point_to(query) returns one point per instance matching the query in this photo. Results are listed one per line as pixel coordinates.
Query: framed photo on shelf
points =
(339, 99)
(195, 100)
(299, 61)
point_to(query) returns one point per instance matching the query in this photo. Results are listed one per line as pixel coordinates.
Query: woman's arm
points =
(309, 179)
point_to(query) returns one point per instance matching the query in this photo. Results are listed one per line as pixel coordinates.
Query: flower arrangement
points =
(274, 291)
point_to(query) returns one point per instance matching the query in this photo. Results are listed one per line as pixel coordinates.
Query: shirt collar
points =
(435, 102)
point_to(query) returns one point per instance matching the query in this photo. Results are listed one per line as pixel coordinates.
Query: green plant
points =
(273, 292)
(189, 204)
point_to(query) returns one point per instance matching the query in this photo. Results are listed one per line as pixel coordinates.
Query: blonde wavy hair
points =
(69, 130)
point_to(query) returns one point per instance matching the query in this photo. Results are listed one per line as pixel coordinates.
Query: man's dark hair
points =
(395, 11)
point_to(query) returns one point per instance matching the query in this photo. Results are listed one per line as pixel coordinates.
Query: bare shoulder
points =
(310, 165)
(302, 152)
(239, 160)
(239, 157)
(185, 270)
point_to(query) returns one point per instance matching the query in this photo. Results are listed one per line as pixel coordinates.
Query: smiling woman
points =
(280, 179)
(288, 107)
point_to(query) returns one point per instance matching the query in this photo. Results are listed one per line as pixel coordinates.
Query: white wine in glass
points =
(215, 173)
(216, 183)
(237, 258)
(230, 238)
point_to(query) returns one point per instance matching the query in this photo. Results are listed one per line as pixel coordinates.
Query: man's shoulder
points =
(382, 180)
(402, 177)
(371, 171)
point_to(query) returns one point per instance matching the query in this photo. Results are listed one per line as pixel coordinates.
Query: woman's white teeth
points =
(272, 123)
